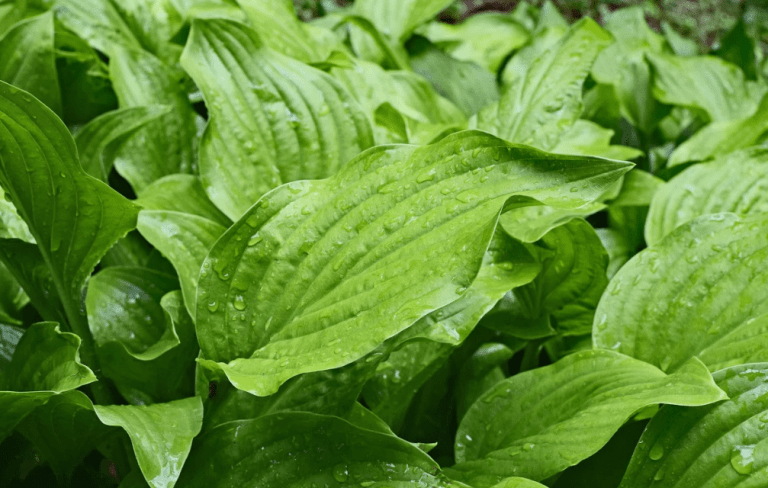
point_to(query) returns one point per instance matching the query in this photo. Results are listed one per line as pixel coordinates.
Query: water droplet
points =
(574, 189)
(743, 458)
(528, 446)
(660, 474)
(55, 244)
(656, 452)
(426, 176)
(255, 239)
(213, 305)
(239, 302)
(340, 473)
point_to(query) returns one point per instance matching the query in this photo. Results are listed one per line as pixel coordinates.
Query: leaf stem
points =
(531, 354)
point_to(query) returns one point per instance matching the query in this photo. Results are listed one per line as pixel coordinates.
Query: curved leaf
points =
(45, 362)
(544, 100)
(698, 292)
(398, 18)
(272, 119)
(98, 22)
(721, 445)
(161, 435)
(529, 224)
(732, 183)
(479, 374)
(537, 423)
(99, 140)
(28, 61)
(181, 193)
(588, 138)
(12, 226)
(330, 265)
(164, 146)
(12, 298)
(327, 451)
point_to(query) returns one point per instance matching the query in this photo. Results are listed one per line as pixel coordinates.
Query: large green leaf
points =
(398, 18)
(732, 183)
(318, 274)
(12, 298)
(716, 446)
(480, 373)
(537, 423)
(98, 141)
(12, 226)
(73, 217)
(28, 61)
(300, 449)
(698, 292)
(720, 138)
(272, 118)
(45, 362)
(544, 100)
(181, 193)
(161, 435)
(703, 82)
(623, 65)
(485, 39)
(167, 145)
(588, 138)
(9, 339)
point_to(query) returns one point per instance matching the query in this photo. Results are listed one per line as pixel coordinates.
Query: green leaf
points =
(618, 247)
(480, 373)
(164, 146)
(466, 84)
(28, 61)
(99, 23)
(398, 18)
(720, 138)
(537, 423)
(181, 193)
(544, 100)
(697, 292)
(64, 431)
(588, 138)
(569, 286)
(12, 298)
(702, 82)
(12, 226)
(45, 362)
(731, 183)
(161, 435)
(99, 140)
(485, 39)
(327, 451)
(311, 252)
(623, 65)
(529, 224)
(681, 45)
(300, 122)
(9, 339)
(518, 483)
(721, 445)
(638, 189)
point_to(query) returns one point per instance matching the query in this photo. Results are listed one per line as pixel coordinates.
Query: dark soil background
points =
(705, 21)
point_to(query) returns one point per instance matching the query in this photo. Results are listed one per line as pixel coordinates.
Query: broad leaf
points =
(529, 224)
(28, 61)
(537, 423)
(326, 451)
(293, 280)
(485, 39)
(272, 119)
(9, 339)
(697, 292)
(702, 82)
(732, 183)
(721, 445)
(161, 435)
(167, 145)
(398, 18)
(544, 100)
(720, 138)
(480, 373)
(638, 189)
(181, 193)
(12, 226)
(99, 140)
(12, 298)
(45, 362)
(588, 138)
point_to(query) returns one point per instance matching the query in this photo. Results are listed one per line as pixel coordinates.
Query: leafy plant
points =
(238, 249)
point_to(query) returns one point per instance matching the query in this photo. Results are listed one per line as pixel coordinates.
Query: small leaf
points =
(697, 292)
(161, 435)
(731, 183)
(314, 252)
(537, 423)
(721, 445)
(181, 193)
(290, 108)
(588, 138)
(398, 18)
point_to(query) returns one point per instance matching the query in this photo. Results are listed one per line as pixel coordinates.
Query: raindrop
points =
(239, 302)
(656, 452)
(213, 305)
(743, 458)
(340, 473)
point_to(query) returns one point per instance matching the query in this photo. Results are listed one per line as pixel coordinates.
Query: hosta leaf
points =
(9, 339)
(485, 39)
(721, 445)
(637, 189)
(73, 217)
(518, 483)
(293, 280)
(398, 18)
(732, 183)
(181, 193)
(28, 61)
(12, 226)
(99, 22)
(545, 99)
(64, 431)
(588, 138)
(537, 423)
(298, 449)
(698, 292)
(720, 138)
(703, 82)
(98, 141)
(12, 298)
(623, 65)
(272, 119)
(276, 22)
(540, 43)
(529, 224)
(167, 145)
(480, 373)
(45, 362)
(161, 435)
